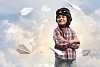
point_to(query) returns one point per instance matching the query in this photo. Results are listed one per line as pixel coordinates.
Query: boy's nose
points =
(60, 18)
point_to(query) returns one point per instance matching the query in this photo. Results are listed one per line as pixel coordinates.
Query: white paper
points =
(74, 6)
(23, 49)
(26, 11)
(31, 40)
(57, 51)
(45, 8)
(85, 52)
(46, 20)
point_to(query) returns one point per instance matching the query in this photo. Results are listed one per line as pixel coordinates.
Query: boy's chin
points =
(61, 24)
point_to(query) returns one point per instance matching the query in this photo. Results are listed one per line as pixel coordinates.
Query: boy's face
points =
(61, 20)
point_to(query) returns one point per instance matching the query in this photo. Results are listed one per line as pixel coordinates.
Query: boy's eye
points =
(63, 16)
(59, 17)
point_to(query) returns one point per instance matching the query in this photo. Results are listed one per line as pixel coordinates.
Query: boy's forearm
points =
(75, 40)
(60, 37)
(74, 43)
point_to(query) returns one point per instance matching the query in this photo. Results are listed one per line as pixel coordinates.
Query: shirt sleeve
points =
(75, 45)
(59, 44)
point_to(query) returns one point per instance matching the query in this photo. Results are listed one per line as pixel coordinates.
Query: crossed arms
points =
(63, 44)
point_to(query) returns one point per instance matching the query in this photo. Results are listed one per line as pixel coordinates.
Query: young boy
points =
(65, 39)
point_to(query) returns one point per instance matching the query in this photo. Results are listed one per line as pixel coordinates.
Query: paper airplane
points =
(26, 11)
(32, 39)
(74, 6)
(44, 8)
(85, 52)
(57, 51)
(46, 20)
(22, 49)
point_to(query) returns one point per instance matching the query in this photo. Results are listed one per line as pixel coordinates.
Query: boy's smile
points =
(62, 20)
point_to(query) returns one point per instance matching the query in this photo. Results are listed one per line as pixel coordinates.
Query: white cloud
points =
(2, 55)
(0, 27)
(88, 62)
(4, 62)
(15, 7)
(96, 15)
(26, 29)
(45, 8)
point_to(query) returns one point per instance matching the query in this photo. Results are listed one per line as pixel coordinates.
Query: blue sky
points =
(13, 7)
(16, 29)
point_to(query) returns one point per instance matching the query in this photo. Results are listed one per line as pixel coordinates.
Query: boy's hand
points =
(60, 37)
(75, 40)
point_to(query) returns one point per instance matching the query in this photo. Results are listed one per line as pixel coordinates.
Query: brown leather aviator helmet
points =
(66, 12)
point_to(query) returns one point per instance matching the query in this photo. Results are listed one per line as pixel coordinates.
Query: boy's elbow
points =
(78, 45)
(75, 46)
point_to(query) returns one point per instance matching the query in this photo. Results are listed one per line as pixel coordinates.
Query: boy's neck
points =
(62, 26)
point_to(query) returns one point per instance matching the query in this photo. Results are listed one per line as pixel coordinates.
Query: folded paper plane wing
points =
(26, 11)
(45, 8)
(23, 49)
(74, 6)
(57, 51)
(85, 52)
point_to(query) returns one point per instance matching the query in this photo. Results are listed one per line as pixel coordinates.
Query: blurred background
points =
(17, 28)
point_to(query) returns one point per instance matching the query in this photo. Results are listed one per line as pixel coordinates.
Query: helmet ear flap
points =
(56, 18)
(70, 16)
(68, 21)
